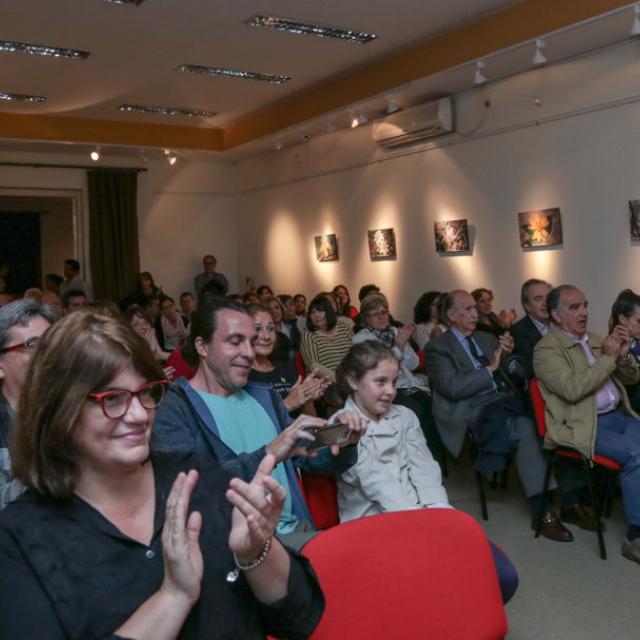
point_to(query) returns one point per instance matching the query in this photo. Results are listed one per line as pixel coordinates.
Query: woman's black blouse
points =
(67, 572)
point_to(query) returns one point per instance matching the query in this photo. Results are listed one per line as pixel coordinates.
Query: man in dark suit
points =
(468, 395)
(535, 324)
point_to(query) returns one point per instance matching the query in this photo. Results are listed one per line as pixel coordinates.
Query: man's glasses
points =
(24, 347)
(116, 402)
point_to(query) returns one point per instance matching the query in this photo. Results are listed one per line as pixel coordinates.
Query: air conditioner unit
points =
(415, 124)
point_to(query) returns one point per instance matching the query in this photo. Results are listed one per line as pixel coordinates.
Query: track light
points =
(635, 27)
(538, 56)
(353, 119)
(172, 158)
(479, 77)
(392, 107)
(95, 154)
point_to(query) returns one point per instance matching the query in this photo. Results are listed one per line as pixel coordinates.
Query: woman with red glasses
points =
(112, 542)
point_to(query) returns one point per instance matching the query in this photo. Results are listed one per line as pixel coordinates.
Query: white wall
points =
(582, 156)
(184, 211)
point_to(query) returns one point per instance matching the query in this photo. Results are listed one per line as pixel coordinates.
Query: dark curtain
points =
(20, 250)
(113, 231)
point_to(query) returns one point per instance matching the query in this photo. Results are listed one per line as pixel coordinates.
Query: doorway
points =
(37, 234)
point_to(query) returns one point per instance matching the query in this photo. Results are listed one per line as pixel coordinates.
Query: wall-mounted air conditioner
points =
(415, 124)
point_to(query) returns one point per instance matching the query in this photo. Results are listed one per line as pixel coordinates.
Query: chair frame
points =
(601, 504)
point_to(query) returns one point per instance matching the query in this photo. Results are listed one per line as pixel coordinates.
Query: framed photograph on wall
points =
(326, 248)
(634, 209)
(382, 244)
(541, 228)
(452, 236)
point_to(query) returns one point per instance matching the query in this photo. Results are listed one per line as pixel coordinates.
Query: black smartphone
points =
(335, 433)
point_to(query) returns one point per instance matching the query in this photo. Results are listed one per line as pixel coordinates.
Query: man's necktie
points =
(482, 360)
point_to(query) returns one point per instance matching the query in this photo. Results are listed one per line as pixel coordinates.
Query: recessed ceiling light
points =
(232, 73)
(21, 97)
(309, 29)
(42, 50)
(134, 3)
(95, 154)
(167, 111)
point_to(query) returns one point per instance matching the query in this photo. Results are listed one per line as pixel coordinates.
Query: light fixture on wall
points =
(95, 154)
(171, 157)
(635, 27)
(392, 107)
(479, 77)
(538, 56)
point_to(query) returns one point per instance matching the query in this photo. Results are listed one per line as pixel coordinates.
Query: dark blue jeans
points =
(618, 438)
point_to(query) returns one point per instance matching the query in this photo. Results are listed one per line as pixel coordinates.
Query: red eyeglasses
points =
(24, 347)
(116, 402)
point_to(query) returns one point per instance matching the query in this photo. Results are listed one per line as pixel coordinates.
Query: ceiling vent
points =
(415, 124)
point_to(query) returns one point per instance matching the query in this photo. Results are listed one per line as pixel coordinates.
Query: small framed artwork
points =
(382, 244)
(452, 236)
(326, 248)
(634, 209)
(540, 228)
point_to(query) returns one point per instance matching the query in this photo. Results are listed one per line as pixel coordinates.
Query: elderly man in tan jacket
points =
(581, 377)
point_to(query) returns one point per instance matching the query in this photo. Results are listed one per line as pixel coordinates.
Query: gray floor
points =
(566, 591)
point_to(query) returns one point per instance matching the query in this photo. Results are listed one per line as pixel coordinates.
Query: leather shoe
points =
(631, 549)
(580, 515)
(552, 528)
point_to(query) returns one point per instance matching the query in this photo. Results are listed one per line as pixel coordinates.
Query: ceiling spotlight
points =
(353, 119)
(172, 158)
(635, 27)
(95, 154)
(143, 156)
(537, 100)
(479, 77)
(392, 107)
(331, 125)
(277, 145)
(538, 56)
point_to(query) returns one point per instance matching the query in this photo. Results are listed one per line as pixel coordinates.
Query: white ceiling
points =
(135, 51)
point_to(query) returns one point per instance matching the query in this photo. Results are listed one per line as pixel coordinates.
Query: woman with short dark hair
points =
(326, 341)
(111, 541)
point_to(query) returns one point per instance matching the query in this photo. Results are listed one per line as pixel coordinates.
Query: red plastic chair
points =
(300, 366)
(610, 465)
(321, 494)
(408, 574)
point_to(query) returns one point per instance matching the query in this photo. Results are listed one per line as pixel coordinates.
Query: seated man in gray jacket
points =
(218, 412)
(21, 324)
(467, 397)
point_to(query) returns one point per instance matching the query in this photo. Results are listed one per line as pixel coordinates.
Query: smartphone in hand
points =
(335, 433)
